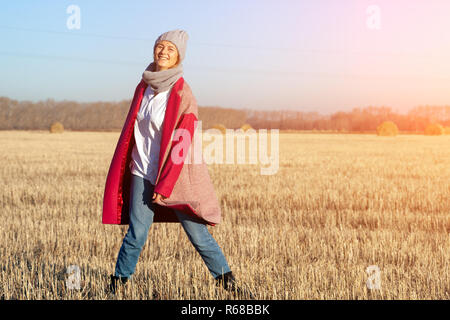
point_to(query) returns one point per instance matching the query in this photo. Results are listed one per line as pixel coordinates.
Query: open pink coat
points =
(187, 185)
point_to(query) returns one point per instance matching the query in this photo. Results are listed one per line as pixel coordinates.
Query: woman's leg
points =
(205, 244)
(141, 218)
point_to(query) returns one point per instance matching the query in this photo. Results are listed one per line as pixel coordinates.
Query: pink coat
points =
(186, 184)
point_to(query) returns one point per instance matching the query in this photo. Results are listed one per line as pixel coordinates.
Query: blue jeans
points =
(141, 218)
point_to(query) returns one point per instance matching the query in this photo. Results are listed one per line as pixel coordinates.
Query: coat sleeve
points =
(182, 139)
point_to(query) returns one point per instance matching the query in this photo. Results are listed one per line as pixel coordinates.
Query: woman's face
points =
(165, 55)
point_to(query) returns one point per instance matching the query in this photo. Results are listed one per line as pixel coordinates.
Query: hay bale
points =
(56, 127)
(246, 127)
(220, 127)
(434, 129)
(387, 128)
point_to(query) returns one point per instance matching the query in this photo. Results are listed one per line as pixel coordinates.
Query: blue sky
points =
(289, 54)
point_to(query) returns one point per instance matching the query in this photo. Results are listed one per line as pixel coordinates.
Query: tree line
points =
(110, 116)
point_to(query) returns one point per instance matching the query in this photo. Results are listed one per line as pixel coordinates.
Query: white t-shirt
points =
(147, 133)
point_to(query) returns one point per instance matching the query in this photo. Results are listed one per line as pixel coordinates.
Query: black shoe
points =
(228, 282)
(114, 283)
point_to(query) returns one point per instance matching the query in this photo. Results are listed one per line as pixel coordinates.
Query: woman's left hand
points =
(157, 197)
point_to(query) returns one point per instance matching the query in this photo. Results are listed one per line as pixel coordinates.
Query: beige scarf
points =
(162, 80)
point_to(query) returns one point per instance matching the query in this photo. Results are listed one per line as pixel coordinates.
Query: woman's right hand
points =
(157, 197)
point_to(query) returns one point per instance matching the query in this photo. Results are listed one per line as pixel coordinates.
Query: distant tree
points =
(107, 116)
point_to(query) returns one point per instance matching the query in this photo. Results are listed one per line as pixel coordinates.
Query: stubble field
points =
(338, 204)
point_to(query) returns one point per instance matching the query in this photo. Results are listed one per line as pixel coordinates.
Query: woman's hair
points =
(178, 61)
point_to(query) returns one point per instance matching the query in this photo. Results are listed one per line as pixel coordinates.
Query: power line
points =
(230, 70)
(232, 46)
(75, 59)
(203, 68)
(326, 74)
(75, 33)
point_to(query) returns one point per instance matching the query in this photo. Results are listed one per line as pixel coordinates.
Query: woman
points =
(150, 181)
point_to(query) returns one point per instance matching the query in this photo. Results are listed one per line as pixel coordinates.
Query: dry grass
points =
(387, 128)
(338, 204)
(246, 127)
(220, 127)
(434, 129)
(56, 127)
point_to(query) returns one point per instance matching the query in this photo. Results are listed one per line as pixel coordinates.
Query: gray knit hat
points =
(178, 38)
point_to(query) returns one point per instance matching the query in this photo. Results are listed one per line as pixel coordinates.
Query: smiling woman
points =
(144, 183)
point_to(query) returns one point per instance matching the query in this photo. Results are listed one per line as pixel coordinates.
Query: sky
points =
(321, 55)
